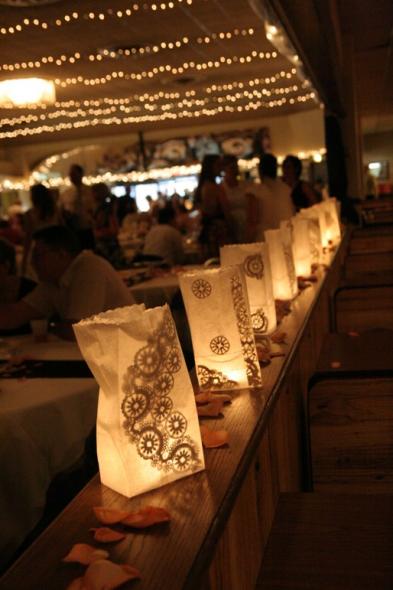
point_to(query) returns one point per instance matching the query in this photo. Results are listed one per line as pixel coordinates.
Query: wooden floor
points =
(330, 542)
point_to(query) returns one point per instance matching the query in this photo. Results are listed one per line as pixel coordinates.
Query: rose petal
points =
(106, 535)
(278, 337)
(85, 554)
(211, 409)
(214, 438)
(207, 396)
(353, 333)
(109, 515)
(335, 364)
(106, 575)
(147, 516)
(263, 355)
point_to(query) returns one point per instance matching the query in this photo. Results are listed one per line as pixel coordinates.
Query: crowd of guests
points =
(237, 211)
(70, 247)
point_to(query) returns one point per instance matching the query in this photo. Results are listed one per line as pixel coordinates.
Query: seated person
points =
(12, 287)
(164, 239)
(73, 284)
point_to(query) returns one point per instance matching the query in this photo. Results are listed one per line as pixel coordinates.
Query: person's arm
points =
(14, 315)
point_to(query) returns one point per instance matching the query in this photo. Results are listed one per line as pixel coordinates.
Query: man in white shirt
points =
(165, 240)
(73, 284)
(274, 196)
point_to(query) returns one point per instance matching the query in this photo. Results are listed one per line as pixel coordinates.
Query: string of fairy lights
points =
(138, 108)
(137, 51)
(275, 91)
(140, 102)
(253, 105)
(151, 97)
(98, 16)
(187, 66)
(129, 177)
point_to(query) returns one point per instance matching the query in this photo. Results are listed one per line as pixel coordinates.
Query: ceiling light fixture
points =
(26, 91)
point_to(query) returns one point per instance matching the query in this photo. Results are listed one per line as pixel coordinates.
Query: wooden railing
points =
(221, 517)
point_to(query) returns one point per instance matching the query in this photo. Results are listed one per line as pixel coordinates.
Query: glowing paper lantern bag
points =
(314, 234)
(286, 231)
(255, 262)
(221, 330)
(147, 425)
(282, 285)
(301, 246)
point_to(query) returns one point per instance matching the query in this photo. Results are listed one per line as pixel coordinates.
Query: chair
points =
(350, 414)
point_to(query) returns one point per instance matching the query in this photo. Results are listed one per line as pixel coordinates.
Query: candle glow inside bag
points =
(314, 234)
(282, 286)
(147, 425)
(255, 262)
(301, 246)
(286, 230)
(221, 330)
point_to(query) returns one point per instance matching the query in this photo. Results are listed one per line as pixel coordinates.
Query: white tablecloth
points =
(43, 427)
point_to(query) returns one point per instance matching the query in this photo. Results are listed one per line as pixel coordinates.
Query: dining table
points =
(157, 286)
(48, 407)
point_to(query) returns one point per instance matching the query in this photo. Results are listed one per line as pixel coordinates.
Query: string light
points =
(207, 111)
(61, 60)
(96, 16)
(211, 89)
(135, 176)
(140, 102)
(168, 69)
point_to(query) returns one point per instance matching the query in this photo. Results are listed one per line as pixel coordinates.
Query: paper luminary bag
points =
(255, 262)
(147, 425)
(314, 234)
(301, 246)
(221, 330)
(332, 220)
(286, 230)
(282, 272)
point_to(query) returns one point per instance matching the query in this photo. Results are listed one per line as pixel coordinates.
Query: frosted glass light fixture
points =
(24, 91)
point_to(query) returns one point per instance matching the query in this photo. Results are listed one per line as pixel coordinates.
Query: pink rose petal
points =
(106, 575)
(109, 515)
(147, 516)
(106, 535)
(212, 439)
(85, 554)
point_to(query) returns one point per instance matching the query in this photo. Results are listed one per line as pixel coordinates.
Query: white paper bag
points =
(255, 262)
(301, 246)
(286, 230)
(221, 329)
(282, 281)
(147, 425)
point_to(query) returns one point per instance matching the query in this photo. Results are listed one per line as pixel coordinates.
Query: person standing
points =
(274, 197)
(211, 200)
(77, 208)
(42, 214)
(240, 197)
(302, 193)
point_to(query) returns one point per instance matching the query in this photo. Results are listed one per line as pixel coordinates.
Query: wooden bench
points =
(329, 542)
(363, 303)
(350, 414)
(371, 239)
(356, 264)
